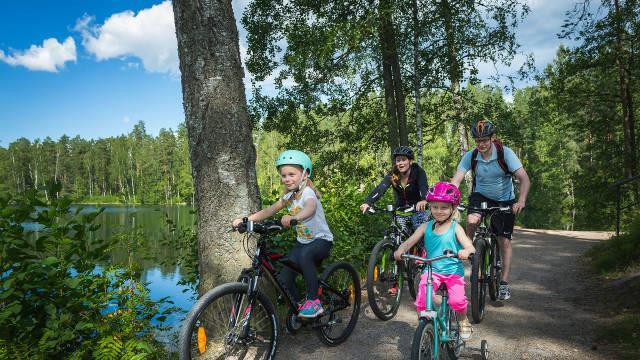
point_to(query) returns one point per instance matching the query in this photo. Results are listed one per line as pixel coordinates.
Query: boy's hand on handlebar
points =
(236, 222)
(364, 207)
(286, 221)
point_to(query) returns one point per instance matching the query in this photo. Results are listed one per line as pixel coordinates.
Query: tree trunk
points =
(455, 76)
(219, 131)
(387, 76)
(626, 99)
(416, 80)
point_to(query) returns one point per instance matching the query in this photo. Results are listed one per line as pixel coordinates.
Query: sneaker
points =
(465, 330)
(393, 291)
(504, 293)
(311, 309)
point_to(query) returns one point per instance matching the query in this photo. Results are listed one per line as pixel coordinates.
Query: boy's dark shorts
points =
(501, 223)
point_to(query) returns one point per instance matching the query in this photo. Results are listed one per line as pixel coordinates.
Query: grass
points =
(624, 332)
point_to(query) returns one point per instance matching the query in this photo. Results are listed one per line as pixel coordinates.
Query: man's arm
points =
(457, 178)
(525, 185)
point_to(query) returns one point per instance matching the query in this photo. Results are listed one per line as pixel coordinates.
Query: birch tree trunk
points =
(221, 148)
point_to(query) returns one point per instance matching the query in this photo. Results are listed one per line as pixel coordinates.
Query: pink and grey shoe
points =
(311, 309)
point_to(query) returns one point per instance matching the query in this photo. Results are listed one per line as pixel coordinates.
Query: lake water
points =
(148, 226)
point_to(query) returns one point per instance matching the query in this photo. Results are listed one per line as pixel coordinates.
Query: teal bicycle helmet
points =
(294, 157)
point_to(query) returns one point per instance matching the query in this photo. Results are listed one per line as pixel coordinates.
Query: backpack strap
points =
(501, 161)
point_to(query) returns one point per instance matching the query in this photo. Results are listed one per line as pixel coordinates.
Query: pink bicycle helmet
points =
(444, 191)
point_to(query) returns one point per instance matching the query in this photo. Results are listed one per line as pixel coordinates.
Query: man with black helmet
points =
(494, 166)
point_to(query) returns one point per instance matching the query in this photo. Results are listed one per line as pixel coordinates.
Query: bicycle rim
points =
(383, 273)
(213, 328)
(423, 346)
(478, 282)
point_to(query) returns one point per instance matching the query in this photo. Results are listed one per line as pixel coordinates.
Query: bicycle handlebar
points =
(506, 209)
(419, 258)
(262, 228)
(390, 208)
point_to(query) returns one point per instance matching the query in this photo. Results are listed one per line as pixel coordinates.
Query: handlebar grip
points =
(293, 222)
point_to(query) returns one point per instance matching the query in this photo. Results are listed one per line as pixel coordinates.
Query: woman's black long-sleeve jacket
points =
(415, 190)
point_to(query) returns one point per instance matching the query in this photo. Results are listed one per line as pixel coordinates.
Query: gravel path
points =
(540, 321)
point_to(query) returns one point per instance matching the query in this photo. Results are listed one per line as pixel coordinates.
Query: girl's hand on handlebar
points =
(286, 221)
(236, 222)
(364, 208)
(421, 205)
(464, 254)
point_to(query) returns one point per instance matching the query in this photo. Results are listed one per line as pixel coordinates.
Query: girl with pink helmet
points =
(440, 234)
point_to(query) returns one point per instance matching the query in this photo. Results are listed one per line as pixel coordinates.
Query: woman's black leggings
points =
(306, 256)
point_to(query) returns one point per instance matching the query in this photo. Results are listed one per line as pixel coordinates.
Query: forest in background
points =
(573, 129)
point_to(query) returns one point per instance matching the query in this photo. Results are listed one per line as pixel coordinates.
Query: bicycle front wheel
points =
(424, 344)
(215, 326)
(414, 271)
(384, 281)
(341, 300)
(478, 281)
(496, 269)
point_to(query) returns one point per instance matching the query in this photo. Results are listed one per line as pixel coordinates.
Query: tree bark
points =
(455, 76)
(387, 74)
(221, 149)
(416, 80)
(626, 99)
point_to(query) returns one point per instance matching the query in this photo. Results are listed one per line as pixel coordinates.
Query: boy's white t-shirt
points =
(314, 227)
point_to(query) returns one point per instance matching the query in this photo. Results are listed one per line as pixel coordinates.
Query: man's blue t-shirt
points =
(491, 180)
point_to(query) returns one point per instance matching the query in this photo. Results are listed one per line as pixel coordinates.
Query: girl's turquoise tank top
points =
(436, 244)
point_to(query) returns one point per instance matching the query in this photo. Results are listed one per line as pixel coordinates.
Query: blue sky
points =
(95, 68)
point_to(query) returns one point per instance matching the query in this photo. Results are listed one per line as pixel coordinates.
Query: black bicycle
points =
(237, 320)
(385, 276)
(486, 267)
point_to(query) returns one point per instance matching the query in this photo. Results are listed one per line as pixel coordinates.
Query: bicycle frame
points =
(263, 262)
(439, 317)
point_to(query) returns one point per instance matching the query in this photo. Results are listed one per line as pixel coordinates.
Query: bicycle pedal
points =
(429, 314)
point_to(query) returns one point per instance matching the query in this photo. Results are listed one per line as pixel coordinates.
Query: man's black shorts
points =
(501, 223)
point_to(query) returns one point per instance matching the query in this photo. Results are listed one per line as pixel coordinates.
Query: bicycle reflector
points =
(352, 295)
(375, 273)
(202, 340)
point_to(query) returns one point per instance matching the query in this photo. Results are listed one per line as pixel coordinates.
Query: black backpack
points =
(501, 161)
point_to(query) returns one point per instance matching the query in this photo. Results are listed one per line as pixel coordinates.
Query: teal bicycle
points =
(438, 332)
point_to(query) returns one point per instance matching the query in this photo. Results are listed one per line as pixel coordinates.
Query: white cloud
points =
(51, 56)
(126, 120)
(148, 35)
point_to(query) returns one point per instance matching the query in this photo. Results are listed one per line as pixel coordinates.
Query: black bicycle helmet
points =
(482, 128)
(403, 151)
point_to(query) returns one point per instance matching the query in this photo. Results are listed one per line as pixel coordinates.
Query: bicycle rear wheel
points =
(423, 346)
(478, 281)
(340, 298)
(383, 275)
(495, 269)
(213, 327)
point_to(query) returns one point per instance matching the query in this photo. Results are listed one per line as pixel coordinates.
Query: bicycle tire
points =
(423, 346)
(344, 278)
(495, 271)
(478, 283)
(455, 345)
(381, 277)
(196, 335)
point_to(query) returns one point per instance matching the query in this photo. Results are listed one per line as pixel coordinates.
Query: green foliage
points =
(56, 303)
(135, 168)
(619, 252)
(624, 332)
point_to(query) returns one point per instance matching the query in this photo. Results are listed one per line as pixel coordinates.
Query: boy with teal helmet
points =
(314, 238)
